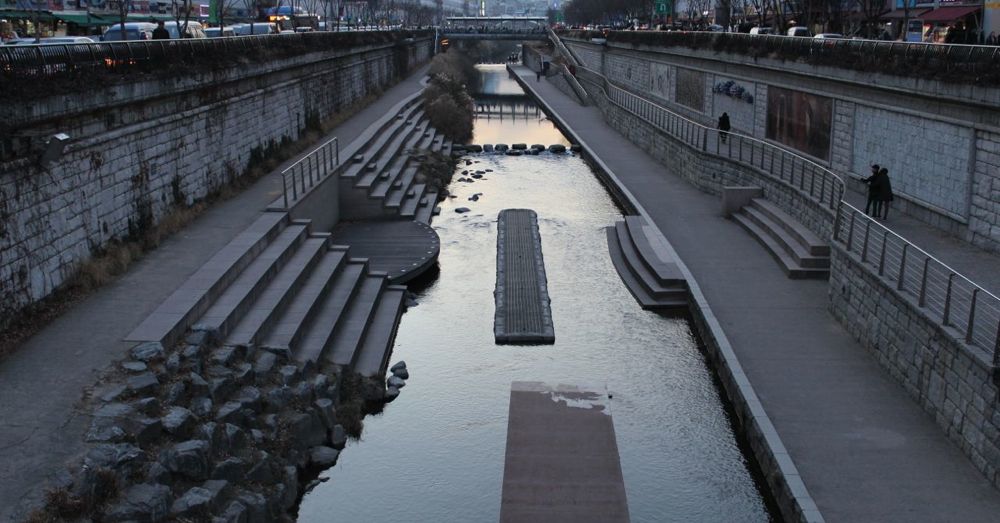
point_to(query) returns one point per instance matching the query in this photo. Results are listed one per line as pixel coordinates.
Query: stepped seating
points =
(645, 264)
(283, 288)
(799, 251)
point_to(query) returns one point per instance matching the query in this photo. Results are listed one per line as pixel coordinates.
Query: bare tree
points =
(182, 15)
(122, 7)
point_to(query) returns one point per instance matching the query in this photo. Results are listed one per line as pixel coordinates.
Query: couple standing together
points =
(879, 193)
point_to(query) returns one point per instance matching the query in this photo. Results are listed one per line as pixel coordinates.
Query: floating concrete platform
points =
(522, 297)
(562, 459)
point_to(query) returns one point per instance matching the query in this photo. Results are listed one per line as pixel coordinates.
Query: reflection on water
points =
(436, 454)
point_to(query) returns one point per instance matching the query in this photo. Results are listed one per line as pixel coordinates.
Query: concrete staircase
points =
(799, 252)
(282, 287)
(379, 182)
(646, 265)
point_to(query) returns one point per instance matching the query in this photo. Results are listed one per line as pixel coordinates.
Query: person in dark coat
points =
(161, 33)
(884, 192)
(872, 207)
(724, 127)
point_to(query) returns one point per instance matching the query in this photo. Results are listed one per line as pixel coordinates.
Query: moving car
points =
(798, 31)
(216, 32)
(133, 31)
(193, 30)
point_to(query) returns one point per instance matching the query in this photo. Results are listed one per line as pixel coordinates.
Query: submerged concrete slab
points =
(562, 459)
(522, 297)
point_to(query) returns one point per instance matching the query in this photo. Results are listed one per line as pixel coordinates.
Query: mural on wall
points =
(660, 77)
(733, 90)
(735, 98)
(690, 88)
(800, 120)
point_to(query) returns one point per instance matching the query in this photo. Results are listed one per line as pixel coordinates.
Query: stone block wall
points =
(153, 144)
(952, 382)
(939, 151)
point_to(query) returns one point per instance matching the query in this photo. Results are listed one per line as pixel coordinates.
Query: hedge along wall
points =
(139, 148)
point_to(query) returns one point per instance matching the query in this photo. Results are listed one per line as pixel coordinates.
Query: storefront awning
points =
(81, 18)
(17, 14)
(151, 17)
(947, 14)
(898, 14)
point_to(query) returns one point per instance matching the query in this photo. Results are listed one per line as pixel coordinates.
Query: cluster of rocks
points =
(396, 381)
(203, 431)
(517, 149)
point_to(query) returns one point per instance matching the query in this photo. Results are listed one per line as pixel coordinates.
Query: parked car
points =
(798, 31)
(133, 31)
(825, 36)
(216, 32)
(715, 28)
(19, 41)
(193, 29)
(56, 40)
(257, 28)
(761, 31)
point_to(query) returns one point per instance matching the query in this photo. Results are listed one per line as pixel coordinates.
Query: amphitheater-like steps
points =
(376, 148)
(425, 208)
(402, 185)
(371, 358)
(412, 200)
(282, 288)
(395, 168)
(799, 252)
(645, 266)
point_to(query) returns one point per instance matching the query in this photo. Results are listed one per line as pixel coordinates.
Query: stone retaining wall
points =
(939, 141)
(952, 382)
(138, 149)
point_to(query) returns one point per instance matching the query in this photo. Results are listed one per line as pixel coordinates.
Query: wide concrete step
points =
(373, 148)
(803, 236)
(656, 258)
(279, 292)
(426, 211)
(789, 242)
(353, 326)
(410, 204)
(403, 184)
(316, 337)
(785, 261)
(172, 318)
(288, 327)
(373, 356)
(649, 281)
(236, 300)
(635, 287)
(386, 156)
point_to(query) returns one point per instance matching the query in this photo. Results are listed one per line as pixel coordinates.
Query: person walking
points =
(724, 127)
(161, 33)
(884, 192)
(872, 206)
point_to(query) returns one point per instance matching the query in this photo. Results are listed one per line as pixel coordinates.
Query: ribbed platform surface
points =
(522, 298)
(562, 460)
(403, 249)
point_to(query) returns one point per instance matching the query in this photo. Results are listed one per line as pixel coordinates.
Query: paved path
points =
(41, 383)
(865, 450)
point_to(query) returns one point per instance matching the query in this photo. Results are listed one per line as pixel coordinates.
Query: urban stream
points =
(436, 454)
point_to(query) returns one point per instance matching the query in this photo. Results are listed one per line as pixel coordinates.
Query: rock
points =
(195, 503)
(106, 433)
(324, 407)
(112, 393)
(141, 503)
(399, 365)
(212, 331)
(116, 421)
(257, 435)
(149, 406)
(557, 148)
(269, 421)
(224, 355)
(230, 412)
(234, 437)
(243, 374)
(219, 371)
(235, 512)
(188, 459)
(157, 473)
(500, 148)
(538, 146)
(191, 352)
(279, 397)
(143, 384)
(462, 210)
(303, 391)
(487, 148)
(147, 351)
(319, 383)
(475, 148)
(283, 353)
(338, 437)
(264, 364)
(323, 457)
(401, 373)
(532, 152)
(179, 421)
(197, 385)
(391, 393)
(221, 388)
(211, 432)
(256, 506)
(249, 398)
(175, 393)
(134, 366)
(489, 170)
(230, 469)
(124, 458)
(144, 429)
(395, 381)
(260, 468)
(514, 152)
(291, 483)
(519, 146)
(173, 363)
(201, 406)
(289, 374)
(304, 430)
(218, 489)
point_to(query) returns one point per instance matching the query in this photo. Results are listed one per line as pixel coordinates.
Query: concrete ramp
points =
(562, 459)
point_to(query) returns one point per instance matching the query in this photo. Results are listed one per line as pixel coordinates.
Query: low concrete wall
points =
(952, 382)
(141, 148)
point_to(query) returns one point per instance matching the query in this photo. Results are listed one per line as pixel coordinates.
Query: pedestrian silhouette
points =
(724, 127)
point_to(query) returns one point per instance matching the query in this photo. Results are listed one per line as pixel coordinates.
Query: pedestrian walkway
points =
(41, 424)
(864, 449)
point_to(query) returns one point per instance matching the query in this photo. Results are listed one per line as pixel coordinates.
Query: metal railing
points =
(821, 185)
(309, 170)
(33, 61)
(981, 62)
(946, 295)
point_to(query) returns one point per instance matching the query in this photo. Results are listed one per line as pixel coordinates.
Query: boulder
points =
(123, 458)
(278, 398)
(243, 373)
(235, 512)
(147, 351)
(179, 421)
(462, 210)
(264, 364)
(513, 152)
(538, 147)
(149, 406)
(260, 468)
(231, 469)
(188, 459)
(250, 398)
(338, 437)
(143, 384)
(401, 373)
(557, 148)
(157, 473)
(197, 385)
(324, 407)
(304, 430)
(221, 388)
(396, 381)
(134, 366)
(289, 374)
(291, 483)
(256, 506)
(487, 148)
(141, 503)
(201, 406)
(519, 146)
(230, 412)
(196, 503)
(399, 365)
(112, 393)
(173, 363)
(175, 393)
(191, 352)
(391, 393)
(283, 353)
(234, 438)
(475, 148)
(323, 457)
